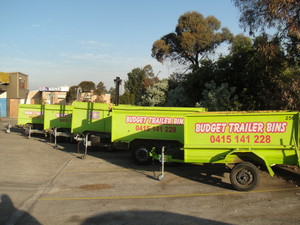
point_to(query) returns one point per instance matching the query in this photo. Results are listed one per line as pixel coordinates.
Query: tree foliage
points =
(195, 36)
(177, 97)
(127, 98)
(139, 79)
(71, 94)
(194, 82)
(219, 98)
(87, 86)
(290, 85)
(283, 15)
(259, 71)
(100, 89)
(156, 95)
(112, 92)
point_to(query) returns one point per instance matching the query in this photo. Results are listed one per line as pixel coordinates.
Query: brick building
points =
(13, 90)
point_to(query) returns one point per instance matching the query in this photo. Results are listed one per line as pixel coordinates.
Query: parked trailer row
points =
(140, 128)
(57, 120)
(241, 140)
(46, 119)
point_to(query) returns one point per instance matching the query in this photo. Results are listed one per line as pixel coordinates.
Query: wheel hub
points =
(142, 154)
(244, 177)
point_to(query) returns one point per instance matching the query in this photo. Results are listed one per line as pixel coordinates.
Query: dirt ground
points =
(43, 185)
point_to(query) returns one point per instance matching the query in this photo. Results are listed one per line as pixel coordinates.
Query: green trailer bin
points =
(145, 128)
(57, 120)
(243, 139)
(91, 124)
(31, 118)
(91, 117)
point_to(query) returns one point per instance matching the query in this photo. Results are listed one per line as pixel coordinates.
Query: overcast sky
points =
(64, 42)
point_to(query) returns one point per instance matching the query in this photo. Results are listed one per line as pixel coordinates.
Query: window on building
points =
(22, 84)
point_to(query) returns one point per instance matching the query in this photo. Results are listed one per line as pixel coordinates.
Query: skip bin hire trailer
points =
(91, 123)
(31, 118)
(146, 127)
(91, 117)
(57, 120)
(243, 139)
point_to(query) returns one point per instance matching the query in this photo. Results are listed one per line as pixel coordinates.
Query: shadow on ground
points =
(146, 217)
(207, 173)
(9, 214)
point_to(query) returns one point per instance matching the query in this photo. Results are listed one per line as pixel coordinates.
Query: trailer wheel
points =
(26, 133)
(141, 154)
(244, 176)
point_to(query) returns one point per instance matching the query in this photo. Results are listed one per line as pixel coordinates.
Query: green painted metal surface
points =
(30, 114)
(152, 123)
(89, 116)
(59, 116)
(226, 137)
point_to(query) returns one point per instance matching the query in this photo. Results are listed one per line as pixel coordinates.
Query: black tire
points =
(72, 140)
(141, 154)
(244, 176)
(26, 132)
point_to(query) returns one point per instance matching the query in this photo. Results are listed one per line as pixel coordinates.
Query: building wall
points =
(13, 107)
(3, 107)
(15, 90)
(106, 98)
(4, 81)
(95, 98)
(18, 85)
(102, 99)
(34, 97)
(54, 97)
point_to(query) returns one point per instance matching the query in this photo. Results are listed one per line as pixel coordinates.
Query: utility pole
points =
(118, 82)
(51, 97)
(78, 93)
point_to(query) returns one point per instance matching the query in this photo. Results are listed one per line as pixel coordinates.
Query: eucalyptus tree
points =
(139, 79)
(100, 89)
(194, 38)
(87, 86)
(283, 15)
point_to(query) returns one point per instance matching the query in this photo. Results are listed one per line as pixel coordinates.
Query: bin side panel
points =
(155, 123)
(210, 137)
(30, 114)
(59, 116)
(91, 117)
